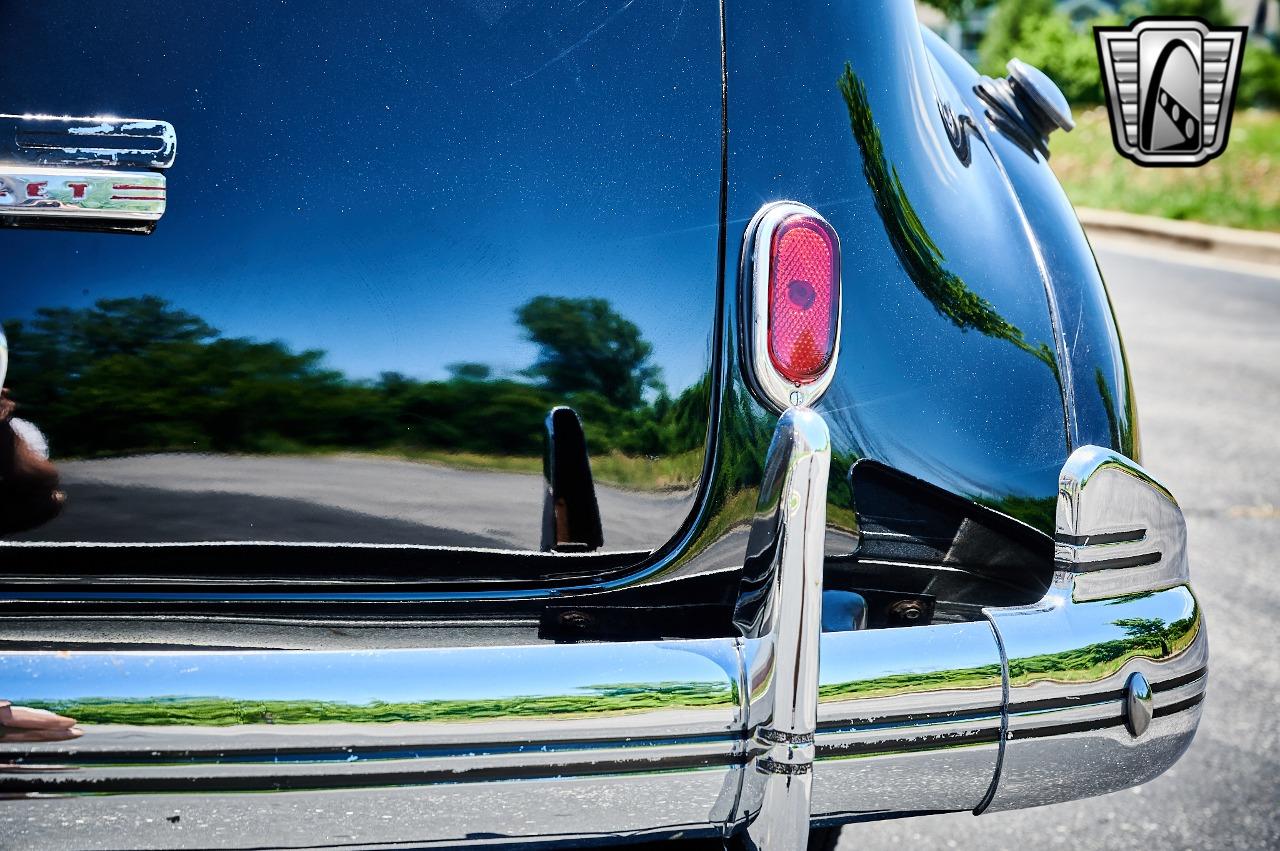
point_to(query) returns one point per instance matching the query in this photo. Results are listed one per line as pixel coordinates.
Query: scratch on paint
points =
(571, 48)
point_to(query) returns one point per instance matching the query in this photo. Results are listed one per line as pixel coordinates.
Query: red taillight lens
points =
(804, 297)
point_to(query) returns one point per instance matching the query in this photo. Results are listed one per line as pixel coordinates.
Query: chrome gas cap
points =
(1042, 91)
(1026, 106)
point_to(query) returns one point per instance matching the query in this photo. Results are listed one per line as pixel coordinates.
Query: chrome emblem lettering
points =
(84, 173)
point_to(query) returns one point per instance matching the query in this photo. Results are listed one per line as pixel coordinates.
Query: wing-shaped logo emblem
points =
(1170, 86)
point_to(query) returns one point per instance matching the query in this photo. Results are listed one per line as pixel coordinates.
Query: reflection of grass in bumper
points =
(982, 676)
(222, 712)
(1147, 638)
(1241, 188)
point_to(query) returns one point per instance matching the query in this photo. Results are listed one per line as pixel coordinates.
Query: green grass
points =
(667, 472)
(1239, 189)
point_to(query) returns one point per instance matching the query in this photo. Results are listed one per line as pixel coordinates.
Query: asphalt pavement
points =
(1204, 351)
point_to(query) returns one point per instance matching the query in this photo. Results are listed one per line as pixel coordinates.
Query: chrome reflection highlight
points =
(1106, 675)
(1138, 704)
(1069, 666)
(780, 613)
(82, 193)
(1118, 530)
(217, 722)
(53, 140)
(908, 720)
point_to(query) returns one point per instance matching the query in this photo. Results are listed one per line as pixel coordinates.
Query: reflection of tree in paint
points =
(130, 375)
(919, 254)
(1119, 430)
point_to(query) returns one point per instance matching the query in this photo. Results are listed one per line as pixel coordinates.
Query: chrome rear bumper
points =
(599, 742)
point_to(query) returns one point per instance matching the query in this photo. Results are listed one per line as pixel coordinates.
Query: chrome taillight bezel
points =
(766, 381)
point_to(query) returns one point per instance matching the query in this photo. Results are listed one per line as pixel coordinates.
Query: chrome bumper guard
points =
(1096, 688)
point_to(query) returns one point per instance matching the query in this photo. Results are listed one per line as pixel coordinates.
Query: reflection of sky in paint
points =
(389, 184)
(357, 678)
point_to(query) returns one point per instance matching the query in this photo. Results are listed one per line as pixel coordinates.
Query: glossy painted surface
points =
(1101, 403)
(956, 264)
(388, 186)
(949, 369)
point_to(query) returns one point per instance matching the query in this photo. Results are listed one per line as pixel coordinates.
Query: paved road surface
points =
(1204, 348)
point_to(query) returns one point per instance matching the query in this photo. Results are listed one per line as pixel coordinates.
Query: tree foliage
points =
(1036, 33)
(1260, 75)
(1212, 11)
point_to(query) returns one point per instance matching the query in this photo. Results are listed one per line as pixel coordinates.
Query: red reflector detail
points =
(804, 298)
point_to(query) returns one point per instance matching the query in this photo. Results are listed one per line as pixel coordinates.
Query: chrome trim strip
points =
(773, 388)
(59, 140)
(85, 193)
(1169, 698)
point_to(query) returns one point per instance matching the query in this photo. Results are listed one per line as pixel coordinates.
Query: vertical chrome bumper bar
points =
(780, 614)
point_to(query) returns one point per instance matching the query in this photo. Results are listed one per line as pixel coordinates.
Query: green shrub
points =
(1259, 76)
(1036, 34)
(1211, 10)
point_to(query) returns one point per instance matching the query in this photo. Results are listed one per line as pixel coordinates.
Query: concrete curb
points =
(1250, 245)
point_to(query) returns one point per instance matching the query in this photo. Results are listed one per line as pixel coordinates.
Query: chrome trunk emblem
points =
(1170, 86)
(100, 174)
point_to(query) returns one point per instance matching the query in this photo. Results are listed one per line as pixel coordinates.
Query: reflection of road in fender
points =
(338, 499)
